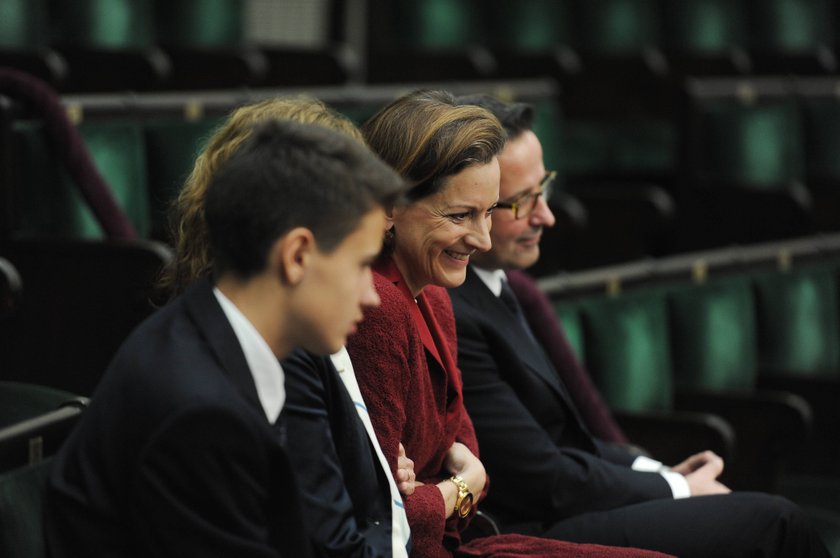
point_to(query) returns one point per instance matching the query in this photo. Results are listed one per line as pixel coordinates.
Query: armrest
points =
(822, 452)
(92, 69)
(298, 66)
(769, 426)
(821, 393)
(714, 215)
(672, 436)
(465, 63)
(196, 68)
(46, 64)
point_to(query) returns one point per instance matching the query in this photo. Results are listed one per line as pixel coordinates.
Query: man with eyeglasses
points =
(541, 425)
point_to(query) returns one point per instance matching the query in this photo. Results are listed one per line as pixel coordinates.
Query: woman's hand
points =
(462, 462)
(406, 479)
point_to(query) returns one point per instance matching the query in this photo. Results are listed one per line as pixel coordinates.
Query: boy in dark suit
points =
(181, 452)
(551, 476)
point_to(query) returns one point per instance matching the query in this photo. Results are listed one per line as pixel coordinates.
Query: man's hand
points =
(701, 470)
(695, 462)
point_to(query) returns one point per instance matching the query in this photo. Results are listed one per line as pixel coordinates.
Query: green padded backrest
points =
(635, 146)
(797, 315)
(548, 126)
(627, 349)
(789, 25)
(119, 151)
(587, 148)
(821, 122)
(201, 23)
(108, 24)
(52, 205)
(750, 143)
(527, 25)
(616, 26)
(704, 26)
(171, 149)
(713, 334)
(438, 24)
(23, 24)
(570, 321)
(22, 511)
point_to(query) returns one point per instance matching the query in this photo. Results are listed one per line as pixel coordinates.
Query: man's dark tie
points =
(509, 299)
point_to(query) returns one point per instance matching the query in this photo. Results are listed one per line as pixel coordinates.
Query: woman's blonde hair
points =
(188, 227)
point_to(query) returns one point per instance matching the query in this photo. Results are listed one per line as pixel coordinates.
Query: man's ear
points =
(292, 254)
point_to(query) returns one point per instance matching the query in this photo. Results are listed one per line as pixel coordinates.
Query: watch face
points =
(466, 505)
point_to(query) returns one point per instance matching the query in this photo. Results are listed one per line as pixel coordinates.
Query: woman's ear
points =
(291, 255)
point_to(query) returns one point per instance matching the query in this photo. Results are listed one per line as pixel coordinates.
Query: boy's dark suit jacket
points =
(175, 456)
(346, 496)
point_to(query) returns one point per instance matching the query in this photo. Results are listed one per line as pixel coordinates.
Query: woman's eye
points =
(459, 217)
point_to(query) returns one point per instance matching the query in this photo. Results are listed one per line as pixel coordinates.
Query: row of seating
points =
(750, 334)
(755, 163)
(144, 146)
(91, 45)
(733, 350)
(142, 45)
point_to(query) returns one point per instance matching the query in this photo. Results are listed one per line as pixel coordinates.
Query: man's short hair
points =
(515, 117)
(289, 175)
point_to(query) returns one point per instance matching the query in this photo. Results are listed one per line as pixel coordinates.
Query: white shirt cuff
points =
(679, 486)
(646, 465)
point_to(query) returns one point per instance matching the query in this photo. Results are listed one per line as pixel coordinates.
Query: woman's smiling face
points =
(435, 236)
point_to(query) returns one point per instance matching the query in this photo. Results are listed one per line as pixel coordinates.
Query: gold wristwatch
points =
(464, 502)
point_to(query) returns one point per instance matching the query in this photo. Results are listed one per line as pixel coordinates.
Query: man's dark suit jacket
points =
(528, 430)
(346, 496)
(175, 456)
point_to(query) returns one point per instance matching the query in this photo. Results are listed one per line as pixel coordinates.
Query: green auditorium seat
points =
(22, 494)
(426, 40)
(34, 421)
(705, 37)
(23, 24)
(84, 297)
(741, 164)
(24, 40)
(171, 148)
(619, 43)
(635, 345)
(109, 44)
(792, 36)
(531, 38)
(622, 340)
(798, 333)
(207, 44)
(631, 364)
(714, 346)
(50, 204)
(619, 106)
(817, 99)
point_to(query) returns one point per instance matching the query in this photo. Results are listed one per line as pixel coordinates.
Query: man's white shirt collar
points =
(492, 278)
(265, 368)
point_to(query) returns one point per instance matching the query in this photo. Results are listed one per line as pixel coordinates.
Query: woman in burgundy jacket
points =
(405, 351)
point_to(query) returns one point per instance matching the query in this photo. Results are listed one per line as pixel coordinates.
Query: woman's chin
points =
(451, 279)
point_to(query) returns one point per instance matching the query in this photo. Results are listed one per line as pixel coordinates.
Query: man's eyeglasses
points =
(525, 204)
